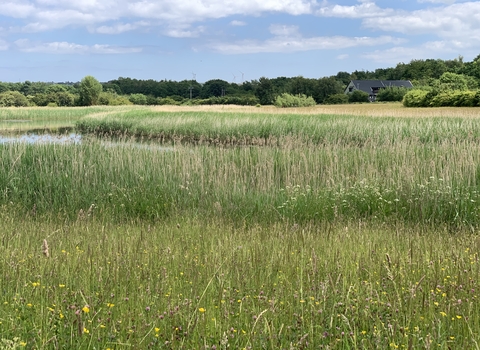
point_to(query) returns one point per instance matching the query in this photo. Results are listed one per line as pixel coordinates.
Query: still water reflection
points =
(42, 139)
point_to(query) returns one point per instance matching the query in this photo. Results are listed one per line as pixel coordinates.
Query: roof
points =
(369, 85)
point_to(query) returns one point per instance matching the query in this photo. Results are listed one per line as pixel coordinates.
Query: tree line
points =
(425, 74)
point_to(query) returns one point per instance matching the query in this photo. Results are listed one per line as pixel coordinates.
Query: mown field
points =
(215, 228)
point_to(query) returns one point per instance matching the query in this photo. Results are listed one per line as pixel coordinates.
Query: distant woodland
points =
(436, 83)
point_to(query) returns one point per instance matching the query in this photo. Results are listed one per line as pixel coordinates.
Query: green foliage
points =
(138, 99)
(13, 99)
(336, 99)
(215, 88)
(265, 91)
(286, 100)
(227, 100)
(441, 98)
(326, 87)
(112, 99)
(168, 101)
(358, 96)
(415, 98)
(89, 91)
(451, 81)
(391, 94)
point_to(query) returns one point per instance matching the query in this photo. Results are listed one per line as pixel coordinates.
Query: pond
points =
(76, 139)
(42, 139)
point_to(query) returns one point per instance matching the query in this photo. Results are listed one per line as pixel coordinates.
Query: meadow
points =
(215, 228)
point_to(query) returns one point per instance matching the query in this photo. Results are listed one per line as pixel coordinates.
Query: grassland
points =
(245, 229)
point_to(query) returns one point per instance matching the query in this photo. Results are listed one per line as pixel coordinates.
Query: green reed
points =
(409, 182)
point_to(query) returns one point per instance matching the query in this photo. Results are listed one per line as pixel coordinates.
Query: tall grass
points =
(224, 128)
(415, 181)
(211, 286)
(28, 119)
(320, 231)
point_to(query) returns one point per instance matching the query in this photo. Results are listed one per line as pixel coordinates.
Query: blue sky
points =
(234, 40)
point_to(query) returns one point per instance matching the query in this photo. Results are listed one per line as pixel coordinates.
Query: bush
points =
(112, 99)
(138, 99)
(476, 99)
(13, 99)
(415, 98)
(286, 100)
(228, 100)
(336, 99)
(391, 94)
(453, 99)
(168, 101)
(358, 96)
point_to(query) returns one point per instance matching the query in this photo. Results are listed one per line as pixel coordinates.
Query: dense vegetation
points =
(123, 91)
(295, 231)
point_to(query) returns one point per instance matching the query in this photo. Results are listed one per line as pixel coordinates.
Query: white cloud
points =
(438, 1)
(17, 9)
(63, 47)
(184, 32)
(41, 15)
(237, 23)
(453, 21)
(3, 45)
(116, 29)
(406, 54)
(343, 56)
(284, 31)
(299, 43)
(363, 10)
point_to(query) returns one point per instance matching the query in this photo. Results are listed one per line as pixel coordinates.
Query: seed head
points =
(45, 248)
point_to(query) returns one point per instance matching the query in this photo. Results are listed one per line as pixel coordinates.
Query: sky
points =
(233, 40)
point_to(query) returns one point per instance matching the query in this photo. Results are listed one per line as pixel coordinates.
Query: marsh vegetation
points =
(299, 229)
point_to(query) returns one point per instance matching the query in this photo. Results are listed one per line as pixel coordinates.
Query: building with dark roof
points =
(372, 87)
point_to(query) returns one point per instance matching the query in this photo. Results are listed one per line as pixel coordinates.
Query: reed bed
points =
(221, 128)
(48, 118)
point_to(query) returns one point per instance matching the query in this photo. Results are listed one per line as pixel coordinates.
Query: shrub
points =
(358, 96)
(453, 99)
(415, 98)
(476, 99)
(13, 99)
(52, 104)
(112, 99)
(138, 99)
(168, 101)
(228, 100)
(336, 99)
(391, 94)
(287, 100)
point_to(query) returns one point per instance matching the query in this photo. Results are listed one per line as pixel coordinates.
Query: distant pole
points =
(190, 88)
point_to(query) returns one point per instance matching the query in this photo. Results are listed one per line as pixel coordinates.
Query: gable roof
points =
(369, 85)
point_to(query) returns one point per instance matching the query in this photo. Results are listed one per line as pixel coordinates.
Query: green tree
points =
(215, 88)
(326, 87)
(13, 99)
(336, 99)
(89, 91)
(138, 99)
(265, 91)
(392, 93)
(358, 96)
